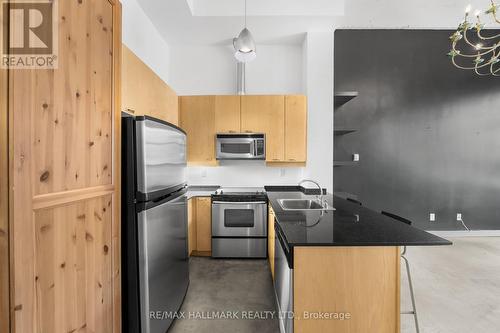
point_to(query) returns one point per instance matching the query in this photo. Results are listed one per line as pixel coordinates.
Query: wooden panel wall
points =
(361, 281)
(65, 144)
(4, 204)
(145, 93)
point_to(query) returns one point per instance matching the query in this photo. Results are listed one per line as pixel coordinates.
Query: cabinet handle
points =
(292, 159)
(232, 131)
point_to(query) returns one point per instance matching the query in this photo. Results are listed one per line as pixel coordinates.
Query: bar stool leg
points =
(412, 294)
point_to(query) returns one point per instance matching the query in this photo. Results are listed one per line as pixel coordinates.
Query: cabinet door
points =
(144, 92)
(295, 128)
(203, 224)
(191, 225)
(198, 120)
(64, 137)
(227, 114)
(266, 114)
(270, 239)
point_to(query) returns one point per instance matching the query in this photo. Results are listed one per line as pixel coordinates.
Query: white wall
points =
(141, 36)
(211, 69)
(318, 66)
(243, 173)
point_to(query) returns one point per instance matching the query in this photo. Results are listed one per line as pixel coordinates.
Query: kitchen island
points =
(339, 270)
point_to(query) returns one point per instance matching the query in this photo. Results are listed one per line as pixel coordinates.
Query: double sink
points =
(304, 204)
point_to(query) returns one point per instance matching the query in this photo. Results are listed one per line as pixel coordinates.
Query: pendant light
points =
(244, 44)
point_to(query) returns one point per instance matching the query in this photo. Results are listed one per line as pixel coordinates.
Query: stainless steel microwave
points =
(241, 146)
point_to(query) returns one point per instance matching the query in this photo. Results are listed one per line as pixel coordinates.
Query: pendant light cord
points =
(245, 13)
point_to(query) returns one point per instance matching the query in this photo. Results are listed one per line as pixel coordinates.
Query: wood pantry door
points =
(64, 127)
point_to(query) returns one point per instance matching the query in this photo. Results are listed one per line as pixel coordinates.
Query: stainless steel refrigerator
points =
(155, 274)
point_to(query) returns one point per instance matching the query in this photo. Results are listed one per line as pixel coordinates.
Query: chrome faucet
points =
(320, 196)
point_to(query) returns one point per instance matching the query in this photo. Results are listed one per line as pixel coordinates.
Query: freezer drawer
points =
(163, 262)
(160, 156)
(239, 247)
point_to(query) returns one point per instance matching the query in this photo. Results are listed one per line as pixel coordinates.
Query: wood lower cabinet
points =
(361, 282)
(295, 128)
(200, 226)
(227, 114)
(64, 179)
(144, 92)
(266, 114)
(270, 239)
(197, 118)
(191, 225)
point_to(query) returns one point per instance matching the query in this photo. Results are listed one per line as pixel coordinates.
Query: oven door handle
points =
(238, 202)
(253, 147)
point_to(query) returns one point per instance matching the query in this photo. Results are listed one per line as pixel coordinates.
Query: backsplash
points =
(243, 173)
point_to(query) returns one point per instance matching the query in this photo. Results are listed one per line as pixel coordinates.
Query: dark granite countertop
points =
(349, 225)
(201, 190)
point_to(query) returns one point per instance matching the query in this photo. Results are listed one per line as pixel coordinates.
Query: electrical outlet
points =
(432, 217)
(459, 216)
(355, 157)
(282, 172)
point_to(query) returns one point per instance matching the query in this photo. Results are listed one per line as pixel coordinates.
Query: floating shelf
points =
(344, 163)
(345, 195)
(343, 97)
(343, 131)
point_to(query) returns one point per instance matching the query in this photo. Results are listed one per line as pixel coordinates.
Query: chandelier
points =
(472, 49)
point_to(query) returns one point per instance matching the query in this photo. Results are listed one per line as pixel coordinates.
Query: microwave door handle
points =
(254, 145)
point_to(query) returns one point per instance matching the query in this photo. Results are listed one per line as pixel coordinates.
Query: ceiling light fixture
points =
(244, 44)
(482, 54)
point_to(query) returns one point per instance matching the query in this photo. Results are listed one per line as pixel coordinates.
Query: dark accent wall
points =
(428, 133)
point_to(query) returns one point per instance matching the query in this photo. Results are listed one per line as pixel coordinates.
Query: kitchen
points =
(165, 176)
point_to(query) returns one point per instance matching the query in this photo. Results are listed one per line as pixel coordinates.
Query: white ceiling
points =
(218, 21)
(212, 22)
(266, 7)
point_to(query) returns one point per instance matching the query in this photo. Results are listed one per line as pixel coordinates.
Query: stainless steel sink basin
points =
(303, 204)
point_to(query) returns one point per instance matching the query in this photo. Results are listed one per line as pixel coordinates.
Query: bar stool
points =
(354, 201)
(407, 265)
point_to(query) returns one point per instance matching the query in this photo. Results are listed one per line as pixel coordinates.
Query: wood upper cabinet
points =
(295, 128)
(144, 92)
(203, 224)
(197, 118)
(227, 114)
(266, 114)
(282, 118)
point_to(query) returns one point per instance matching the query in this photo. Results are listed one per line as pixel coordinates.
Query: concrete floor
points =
(457, 290)
(228, 285)
(457, 287)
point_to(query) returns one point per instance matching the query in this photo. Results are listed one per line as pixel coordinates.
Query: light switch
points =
(355, 157)
(432, 217)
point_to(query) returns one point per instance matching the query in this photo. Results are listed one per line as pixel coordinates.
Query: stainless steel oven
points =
(239, 225)
(244, 146)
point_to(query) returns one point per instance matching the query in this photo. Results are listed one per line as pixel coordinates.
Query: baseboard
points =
(195, 253)
(465, 233)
